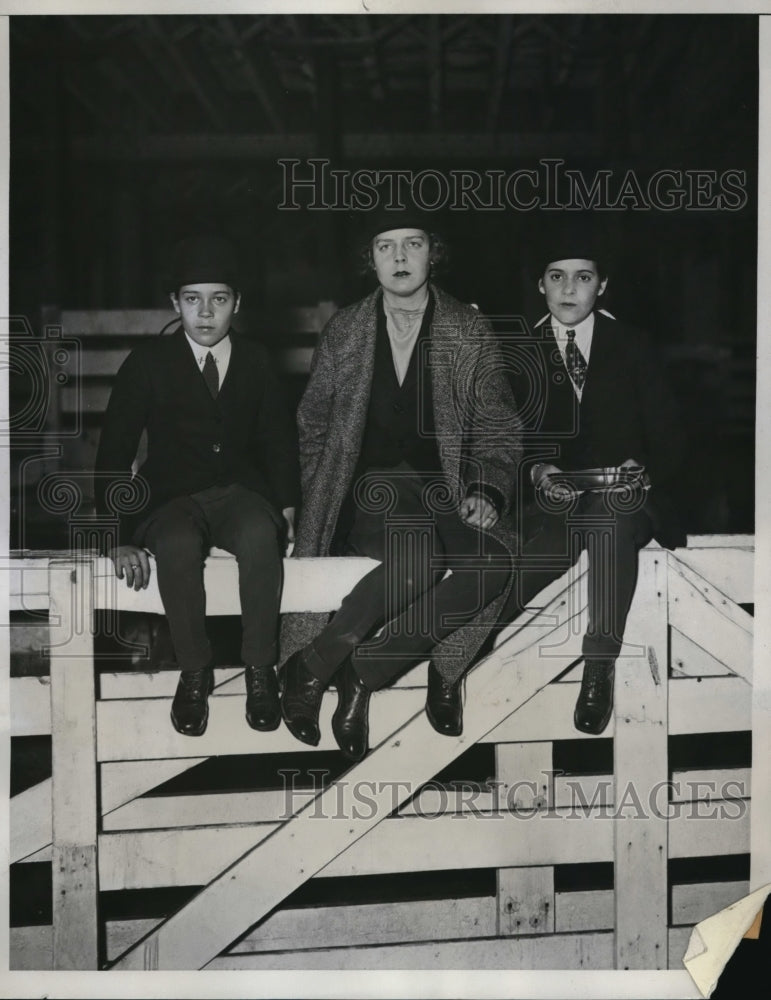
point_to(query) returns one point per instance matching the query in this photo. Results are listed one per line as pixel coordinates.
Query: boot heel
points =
(350, 723)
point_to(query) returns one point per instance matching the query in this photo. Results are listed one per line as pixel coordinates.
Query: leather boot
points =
(350, 723)
(594, 706)
(263, 711)
(444, 704)
(190, 707)
(301, 700)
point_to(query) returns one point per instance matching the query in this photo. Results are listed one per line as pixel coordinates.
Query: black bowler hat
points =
(384, 222)
(572, 237)
(204, 259)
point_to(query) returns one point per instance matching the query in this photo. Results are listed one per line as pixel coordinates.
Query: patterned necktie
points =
(575, 362)
(211, 376)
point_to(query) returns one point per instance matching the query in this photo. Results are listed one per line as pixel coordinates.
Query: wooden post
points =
(73, 758)
(525, 773)
(525, 895)
(525, 901)
(640, 751)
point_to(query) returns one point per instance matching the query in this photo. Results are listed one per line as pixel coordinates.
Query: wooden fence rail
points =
(685, 668)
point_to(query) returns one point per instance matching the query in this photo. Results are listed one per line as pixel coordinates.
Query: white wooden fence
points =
(685, 668)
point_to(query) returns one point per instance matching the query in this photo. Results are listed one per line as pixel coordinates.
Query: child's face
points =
(206, 310)
(571, 288)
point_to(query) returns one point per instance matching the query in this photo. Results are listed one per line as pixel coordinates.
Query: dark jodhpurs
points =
(552, 544)
(404, 520)
(180, 534)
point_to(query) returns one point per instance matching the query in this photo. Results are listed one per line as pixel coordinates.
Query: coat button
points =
(215, 448)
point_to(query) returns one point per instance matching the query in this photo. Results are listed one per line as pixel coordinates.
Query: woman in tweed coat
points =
(476, 447)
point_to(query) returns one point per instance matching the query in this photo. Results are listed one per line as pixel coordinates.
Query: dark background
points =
(131, 131)
(128, 132)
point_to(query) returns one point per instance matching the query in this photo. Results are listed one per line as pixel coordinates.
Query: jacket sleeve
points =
(493, 430)
(663, 422)
(124, 421)
(313, 414)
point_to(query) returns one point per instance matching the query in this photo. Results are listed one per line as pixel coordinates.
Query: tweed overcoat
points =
(477, 432)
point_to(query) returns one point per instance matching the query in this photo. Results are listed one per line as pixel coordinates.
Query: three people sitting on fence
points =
(409, 447)
(604, 415)
(410, 452)
(221, 470)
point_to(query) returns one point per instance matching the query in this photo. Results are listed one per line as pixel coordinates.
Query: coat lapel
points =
(443, 334)
(601, 360)
(235, 364)
(357, 369)
(447, 368)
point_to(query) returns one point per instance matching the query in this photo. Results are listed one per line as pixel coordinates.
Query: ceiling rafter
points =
(259, 26)
(182, 27)
(413, 28)
(338, 28)
(86, 101)
(473, 32)
(462, 24)
(558, 39)
(424, 60)
(565, 58)
(148, 47)
(100, 29)
(78, 26)
(500, 72)
(546, 83)
(306, 60)
(373, 61)
(667, 52)
(122, 26)
(393, 25)
(180, 64)
(435, 72)
(116, 75)
(300, 38)
(250, 73)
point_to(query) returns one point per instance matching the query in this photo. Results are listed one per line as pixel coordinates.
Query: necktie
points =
(575, 362)
(211, 375)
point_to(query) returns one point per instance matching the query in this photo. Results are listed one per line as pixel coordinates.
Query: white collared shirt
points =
(221, 351)
(584, 335)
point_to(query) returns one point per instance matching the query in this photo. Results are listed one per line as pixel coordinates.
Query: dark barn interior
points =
(129, 132)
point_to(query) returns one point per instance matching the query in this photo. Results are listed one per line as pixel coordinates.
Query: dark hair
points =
(602, 271)
(437, 250)
(236, 291)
